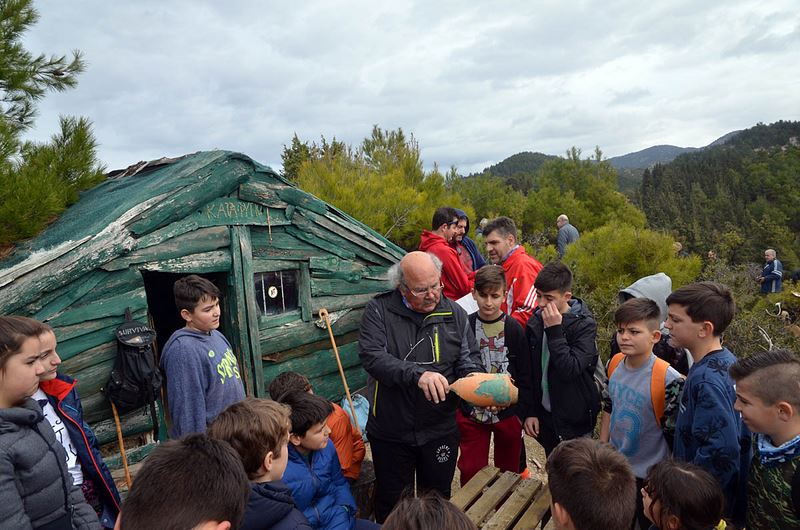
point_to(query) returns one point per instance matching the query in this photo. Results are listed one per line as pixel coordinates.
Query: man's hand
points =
(531, 426)
(551, 316)
(434, 385)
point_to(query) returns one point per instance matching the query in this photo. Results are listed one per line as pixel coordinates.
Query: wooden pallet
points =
(503, 500)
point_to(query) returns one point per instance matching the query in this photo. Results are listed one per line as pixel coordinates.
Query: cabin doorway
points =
(164, 315)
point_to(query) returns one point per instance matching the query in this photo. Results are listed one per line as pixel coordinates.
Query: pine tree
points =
(37, 180)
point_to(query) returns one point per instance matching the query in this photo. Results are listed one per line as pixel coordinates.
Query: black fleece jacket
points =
(573, 356)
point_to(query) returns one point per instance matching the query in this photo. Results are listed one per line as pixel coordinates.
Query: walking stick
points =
(323, 314)
(122, 454)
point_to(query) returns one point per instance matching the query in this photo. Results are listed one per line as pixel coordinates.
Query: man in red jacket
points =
(500, 236)
(437, 241)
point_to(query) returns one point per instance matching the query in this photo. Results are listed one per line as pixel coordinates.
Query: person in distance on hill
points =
(438, 241)
(771, 277)
(567, 234)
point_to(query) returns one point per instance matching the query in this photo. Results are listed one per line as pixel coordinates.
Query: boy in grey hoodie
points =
(202, 374)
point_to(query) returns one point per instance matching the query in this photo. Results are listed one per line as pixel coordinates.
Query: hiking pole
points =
(323, 314)
(122, 454)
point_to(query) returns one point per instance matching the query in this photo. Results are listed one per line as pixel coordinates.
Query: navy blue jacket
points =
(271, 507)
(773, 277)
(709, 432)
(320, 490)
(64, 398)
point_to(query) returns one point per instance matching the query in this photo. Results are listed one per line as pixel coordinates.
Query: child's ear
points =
(656, 336)
(267, 463)
(568, 295)
(295, 440)
(474, 294)
(186, 315)
(707, 329)
(785, 411)
(563, 520)
(673, 523)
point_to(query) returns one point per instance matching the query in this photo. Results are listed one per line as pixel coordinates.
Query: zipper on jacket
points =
(375, 401)
(91, 455)
(436, 342)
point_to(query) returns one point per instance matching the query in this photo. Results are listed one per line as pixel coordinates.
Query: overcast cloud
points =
(475, 82)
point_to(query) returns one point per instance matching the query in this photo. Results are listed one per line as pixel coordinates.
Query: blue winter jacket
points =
(65, 401)
(710, 433)
(271, 507)
(320, 490)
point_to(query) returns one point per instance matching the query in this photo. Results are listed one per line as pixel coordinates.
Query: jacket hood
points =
(462, 213)
(578, 308)
(428, 240)
(188, 332)
(271, 501)
(28, 413)
(656, 287)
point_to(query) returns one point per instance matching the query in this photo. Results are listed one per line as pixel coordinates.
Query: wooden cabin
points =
(277, 253)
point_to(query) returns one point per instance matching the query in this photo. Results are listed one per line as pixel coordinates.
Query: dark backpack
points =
(136, 379)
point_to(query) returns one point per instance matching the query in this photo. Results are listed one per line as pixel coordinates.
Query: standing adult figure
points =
(500, 236)
(413, 343)
(437, 241)
(468, 254)
(567, 234)
(771, 277)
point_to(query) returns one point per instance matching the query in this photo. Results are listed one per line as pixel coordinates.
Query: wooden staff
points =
(122, 454)
(323, 314)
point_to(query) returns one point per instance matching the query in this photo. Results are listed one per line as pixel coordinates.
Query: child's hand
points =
(551, 316)
(531, 426)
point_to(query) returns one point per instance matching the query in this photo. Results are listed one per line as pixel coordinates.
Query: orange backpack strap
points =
(658, 384)
(613, 363)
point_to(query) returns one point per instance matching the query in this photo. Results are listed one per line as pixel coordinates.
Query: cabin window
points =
(276, 292)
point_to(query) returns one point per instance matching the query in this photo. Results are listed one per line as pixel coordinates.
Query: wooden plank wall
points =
(83, 293)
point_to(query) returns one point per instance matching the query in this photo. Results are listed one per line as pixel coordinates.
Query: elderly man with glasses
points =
(413, 343)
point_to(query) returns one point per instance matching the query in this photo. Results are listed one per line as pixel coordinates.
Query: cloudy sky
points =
(475, 82)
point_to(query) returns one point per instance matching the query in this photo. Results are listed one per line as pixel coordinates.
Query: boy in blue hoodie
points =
(313, 473)
(201, 370)
(709, 432)
(258, 429)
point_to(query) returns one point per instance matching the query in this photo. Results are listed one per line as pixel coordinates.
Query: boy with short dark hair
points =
(638, 384)
(562, 339)
(502, 341)
(194, 482)
(313, 472)
(258, 429)
(591, 486)
(201, 370)
(348, 442)
(709, 432)
(768, 397)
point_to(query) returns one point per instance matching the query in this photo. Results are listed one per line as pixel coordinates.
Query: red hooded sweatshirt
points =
(456, 282)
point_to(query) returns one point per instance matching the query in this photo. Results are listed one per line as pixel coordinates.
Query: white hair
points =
(562, 217)
(395, 272)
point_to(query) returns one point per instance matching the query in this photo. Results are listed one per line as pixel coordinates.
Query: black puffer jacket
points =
(573, 357)
(396, 346)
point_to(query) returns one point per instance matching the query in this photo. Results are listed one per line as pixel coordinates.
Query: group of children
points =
(684, 436)
(678, 455)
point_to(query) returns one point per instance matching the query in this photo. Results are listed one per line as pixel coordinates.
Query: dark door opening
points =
(165, 317)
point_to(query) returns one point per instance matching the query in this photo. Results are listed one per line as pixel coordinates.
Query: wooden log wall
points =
(230, 216)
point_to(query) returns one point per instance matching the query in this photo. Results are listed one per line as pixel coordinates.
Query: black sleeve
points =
(518, 359)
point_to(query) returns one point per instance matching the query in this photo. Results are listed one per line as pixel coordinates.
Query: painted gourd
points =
(486, 390)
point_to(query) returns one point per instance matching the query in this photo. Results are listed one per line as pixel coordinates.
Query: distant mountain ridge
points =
(658, 154)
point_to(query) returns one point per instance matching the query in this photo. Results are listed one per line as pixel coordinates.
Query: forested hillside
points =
(518, 170)
(737, 198)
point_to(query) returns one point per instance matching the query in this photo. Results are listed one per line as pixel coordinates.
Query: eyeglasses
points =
(422, 292)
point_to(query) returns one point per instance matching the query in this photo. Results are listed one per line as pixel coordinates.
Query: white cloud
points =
(474, 82)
